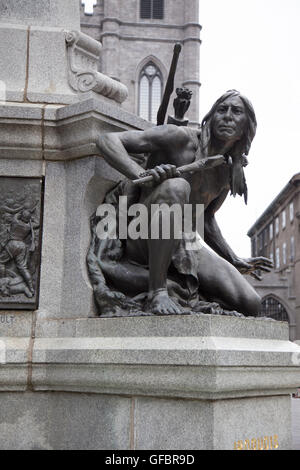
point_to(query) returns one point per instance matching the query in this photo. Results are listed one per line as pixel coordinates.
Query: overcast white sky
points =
(254, 47)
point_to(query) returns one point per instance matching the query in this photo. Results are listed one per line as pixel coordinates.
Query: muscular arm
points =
(115, 147)
(214, 238)
(212, 234)
(9, 210)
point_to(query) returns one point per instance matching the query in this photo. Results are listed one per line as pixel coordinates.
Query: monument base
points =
(175, 382)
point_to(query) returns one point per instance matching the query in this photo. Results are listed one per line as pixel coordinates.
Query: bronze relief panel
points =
(21, 201)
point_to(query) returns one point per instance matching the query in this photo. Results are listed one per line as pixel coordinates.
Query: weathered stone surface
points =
(296, 423)
(173, 424)
(83, 63)
(52, 261)
(166, 326)
(252, 418)
(21, 131)
(31, 131)
(164, 424)
(57, 421)
(18, 167)
(13, 64)
(33, 33)
(66, 234)
(63, 421)
(76, 128)
(174, 380)
(54, 132)
(15, 323)
(48, 82)
(209, 364)
(53, 13)
(42, 66)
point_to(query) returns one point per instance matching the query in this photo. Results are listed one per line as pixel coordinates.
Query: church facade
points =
(138, 37)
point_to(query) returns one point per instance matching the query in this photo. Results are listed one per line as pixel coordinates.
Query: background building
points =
(138, 38)
(276, 235)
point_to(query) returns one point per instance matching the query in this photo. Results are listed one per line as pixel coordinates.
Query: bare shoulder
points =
(157, 137)
(171, 132)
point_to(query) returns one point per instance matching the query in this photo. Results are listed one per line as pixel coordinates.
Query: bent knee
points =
(175, 190)
(251, 304)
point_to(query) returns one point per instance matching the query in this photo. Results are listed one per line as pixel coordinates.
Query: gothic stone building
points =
(276, 235)
(138, 37)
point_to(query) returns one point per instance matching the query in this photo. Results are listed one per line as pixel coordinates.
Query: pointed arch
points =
(274, 307)
(150, 88)
(157, 62)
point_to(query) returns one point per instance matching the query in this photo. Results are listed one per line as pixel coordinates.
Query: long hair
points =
(243, 145)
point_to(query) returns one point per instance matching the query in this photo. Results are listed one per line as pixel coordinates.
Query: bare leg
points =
(160, 250)
(221, 282)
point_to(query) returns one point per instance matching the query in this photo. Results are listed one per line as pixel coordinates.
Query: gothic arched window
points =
(272, 308)
(150, 91)
(152, 9)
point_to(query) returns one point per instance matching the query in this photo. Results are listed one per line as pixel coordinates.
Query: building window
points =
(292, 253)
(277, 225)
(88, 6)
(283, 220)
(272, 308)
(291, 212)
(150, 92)
(271, 231)
(266, 233)
(284, 253)
(152, 9)
(277, 263)
(260, 241)
(253, 246)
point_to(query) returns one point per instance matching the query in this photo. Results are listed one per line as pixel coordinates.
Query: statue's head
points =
(230, 120)
(25, 215)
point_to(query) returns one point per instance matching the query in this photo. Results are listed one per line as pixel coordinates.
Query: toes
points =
(171, 310)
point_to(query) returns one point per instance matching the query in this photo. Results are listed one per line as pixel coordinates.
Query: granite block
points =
(48, 81)
(53, 13)
(173, 424)
(24, 168)
(63, 421)
(250, 421)
(13, 64)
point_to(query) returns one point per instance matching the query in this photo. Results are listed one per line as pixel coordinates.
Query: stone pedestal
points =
(58, 144)
(54, 105)
(182, 382)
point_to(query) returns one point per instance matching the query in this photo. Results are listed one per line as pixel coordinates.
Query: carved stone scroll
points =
(20, 229)
(83, 59)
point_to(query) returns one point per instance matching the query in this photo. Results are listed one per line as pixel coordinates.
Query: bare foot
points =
(110, 301)
(28, 292)
(160, 303)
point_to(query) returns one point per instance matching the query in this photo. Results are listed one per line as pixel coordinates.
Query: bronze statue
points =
(181, 104)
(160, 276)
